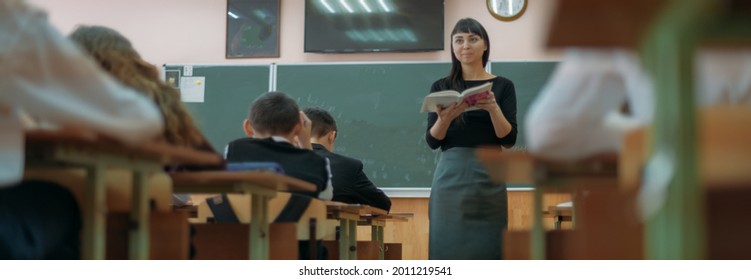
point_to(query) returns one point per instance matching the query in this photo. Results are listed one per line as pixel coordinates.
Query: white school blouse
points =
(576, 113)
(45, 75)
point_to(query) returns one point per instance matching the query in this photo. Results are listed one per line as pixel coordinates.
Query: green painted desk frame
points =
(348, 216)
(377, 222)
(352, 215)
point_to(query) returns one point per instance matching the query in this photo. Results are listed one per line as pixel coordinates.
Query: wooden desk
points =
(64, 149)
(348, 216)
(352, 215)
(377, 222)
(547, 175)
(261, 186)
(560, 213)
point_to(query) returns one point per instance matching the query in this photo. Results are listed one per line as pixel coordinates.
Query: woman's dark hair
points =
(469, 25)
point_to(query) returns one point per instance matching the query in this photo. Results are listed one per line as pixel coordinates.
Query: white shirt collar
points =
(280, 139)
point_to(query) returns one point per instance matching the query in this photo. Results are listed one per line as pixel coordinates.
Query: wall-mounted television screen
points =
(342, 26)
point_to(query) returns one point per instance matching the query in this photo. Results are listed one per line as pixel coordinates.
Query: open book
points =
(446, 97)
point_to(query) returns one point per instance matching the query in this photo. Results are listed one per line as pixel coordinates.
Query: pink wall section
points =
(193, 31)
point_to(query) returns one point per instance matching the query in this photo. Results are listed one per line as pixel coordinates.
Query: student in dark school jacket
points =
(351, 185)
(274, 123)
(279, 132)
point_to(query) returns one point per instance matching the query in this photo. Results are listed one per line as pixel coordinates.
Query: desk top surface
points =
(95, 143)
(360, 209)
(523, 167)
(232, 181)
(625, 24)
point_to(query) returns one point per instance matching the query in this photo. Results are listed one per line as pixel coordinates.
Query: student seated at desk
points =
(274, 123)
(351, 185)
(116, 55)
(577, 113)
(46, 76)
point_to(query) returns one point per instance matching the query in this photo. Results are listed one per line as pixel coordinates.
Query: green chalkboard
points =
(229, 90)
(528, 78)
(377, 108)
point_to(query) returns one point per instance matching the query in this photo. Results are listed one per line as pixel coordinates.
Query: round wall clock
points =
(507, 10)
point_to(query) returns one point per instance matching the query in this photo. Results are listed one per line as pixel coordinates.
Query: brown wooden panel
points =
(516, 245)
(560, 245)
(169, 233)
(392, 251)
(366, 250)
(230, 241)
(412, 234)
(599, 23)
(607, 226)
(729, 222)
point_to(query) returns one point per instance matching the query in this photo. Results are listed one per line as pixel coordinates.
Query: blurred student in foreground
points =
(351, 185)
(46, 76)
(578, 114)
(116, 55)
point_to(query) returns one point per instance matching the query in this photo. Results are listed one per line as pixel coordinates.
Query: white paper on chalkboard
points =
(192, 89)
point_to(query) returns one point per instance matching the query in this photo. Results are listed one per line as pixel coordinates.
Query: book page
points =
(442, 98)
(474, 94)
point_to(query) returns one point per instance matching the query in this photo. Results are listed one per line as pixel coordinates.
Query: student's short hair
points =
(323, 122)
(274, 113)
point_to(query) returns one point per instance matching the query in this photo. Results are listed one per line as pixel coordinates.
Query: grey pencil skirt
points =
(467, 211)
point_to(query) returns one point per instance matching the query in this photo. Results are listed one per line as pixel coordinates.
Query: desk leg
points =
(94, 214)
(259, 227)
(344, 239)
(558, 219)
(139, 217)
(353, 240)
(377, 234)
(573, 210)
(538, 232)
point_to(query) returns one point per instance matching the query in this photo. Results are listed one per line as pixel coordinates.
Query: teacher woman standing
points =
(467, 210)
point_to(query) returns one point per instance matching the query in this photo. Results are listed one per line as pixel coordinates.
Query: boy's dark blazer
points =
(351, 185)
(299, 163)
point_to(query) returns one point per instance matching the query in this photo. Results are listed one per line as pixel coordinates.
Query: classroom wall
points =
(193, 31)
